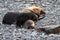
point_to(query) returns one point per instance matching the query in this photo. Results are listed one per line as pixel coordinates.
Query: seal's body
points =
(20, 18)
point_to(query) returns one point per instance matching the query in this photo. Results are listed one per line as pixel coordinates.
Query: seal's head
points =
(36, 10)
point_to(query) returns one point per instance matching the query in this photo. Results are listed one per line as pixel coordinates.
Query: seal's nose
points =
(41, 16)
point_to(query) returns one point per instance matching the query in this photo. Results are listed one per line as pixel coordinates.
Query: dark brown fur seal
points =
(19, 18)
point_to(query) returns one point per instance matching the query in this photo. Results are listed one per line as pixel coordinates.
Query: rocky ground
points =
(52, 9)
